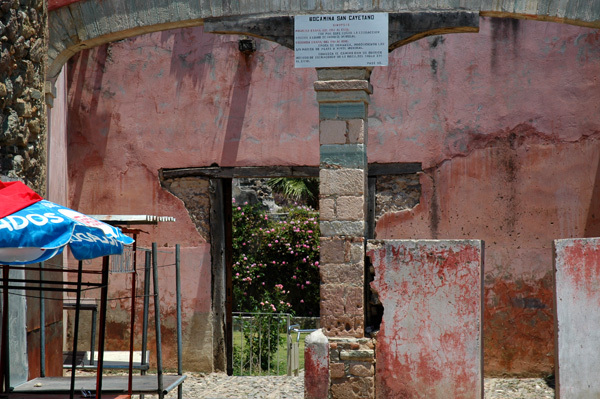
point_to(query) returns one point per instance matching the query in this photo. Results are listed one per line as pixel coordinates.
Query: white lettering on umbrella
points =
(13, 220)
(54, 218)
(5, 225)
(41, 220)
(88, 237)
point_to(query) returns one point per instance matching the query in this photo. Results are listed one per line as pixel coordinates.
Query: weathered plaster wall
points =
(429, 345)
(508, 146)
(577, 266)
(179, 99)
(506, 124)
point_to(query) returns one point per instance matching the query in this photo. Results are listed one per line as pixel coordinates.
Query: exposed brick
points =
(337, 370)
(350, 207)
(332, 132)
(356, 131)
(342, 181)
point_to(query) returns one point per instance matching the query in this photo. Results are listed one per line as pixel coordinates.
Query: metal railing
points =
(259, 343)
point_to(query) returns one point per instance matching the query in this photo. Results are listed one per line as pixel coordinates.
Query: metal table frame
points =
(76, 287)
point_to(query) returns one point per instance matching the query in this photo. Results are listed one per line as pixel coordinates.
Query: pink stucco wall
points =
(505, 123)
(180, 99)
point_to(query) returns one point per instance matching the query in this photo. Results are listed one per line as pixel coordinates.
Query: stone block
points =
(357, 355)
(316, 366)
(332, 250)
(350, 275)
(348, 95)
(342, 326)
(337, 370)
(342, 181)
(327, 209)
(431, 291)
(353, 156)
(353, 300)
(350, 207)
(362, 370)
(332, 299)
(342, 85)
(343, 228)
(342, 111)
(577, 317)
(354, 387)
(350, 73)
(332, 132)
(356, 131)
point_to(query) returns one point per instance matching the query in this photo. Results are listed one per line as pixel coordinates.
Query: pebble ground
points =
(220, 386)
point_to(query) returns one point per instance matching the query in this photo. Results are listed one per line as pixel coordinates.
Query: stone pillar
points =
(343, 96)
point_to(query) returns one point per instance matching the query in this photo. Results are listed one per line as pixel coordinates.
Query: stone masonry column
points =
(343, 97)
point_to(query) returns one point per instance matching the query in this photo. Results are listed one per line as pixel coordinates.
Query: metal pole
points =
(147, 260)
(93, 343)
(131, 334)
(5, 354)
(102, 332)
(179, 338)
(159, 370)
(42, 325)
(76, 330)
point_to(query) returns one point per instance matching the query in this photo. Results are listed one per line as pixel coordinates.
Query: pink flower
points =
(269, 245)
(239, 208)
(294, 277)
(301, 300)
(308, 283)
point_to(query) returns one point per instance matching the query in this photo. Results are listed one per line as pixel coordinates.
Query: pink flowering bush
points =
(276, 261)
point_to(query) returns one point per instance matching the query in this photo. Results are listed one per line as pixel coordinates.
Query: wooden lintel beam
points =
(216, 172)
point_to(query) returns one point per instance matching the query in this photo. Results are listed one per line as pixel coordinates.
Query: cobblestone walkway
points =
(220, 386)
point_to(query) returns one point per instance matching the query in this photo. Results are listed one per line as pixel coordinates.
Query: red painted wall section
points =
(510, 156)
(577, 267)
(429, 345)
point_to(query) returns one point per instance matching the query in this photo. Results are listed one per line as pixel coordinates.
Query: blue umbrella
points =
(42, 230)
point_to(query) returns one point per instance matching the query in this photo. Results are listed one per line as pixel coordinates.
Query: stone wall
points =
(23, 47)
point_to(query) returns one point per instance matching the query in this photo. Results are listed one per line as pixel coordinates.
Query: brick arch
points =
(76, 25)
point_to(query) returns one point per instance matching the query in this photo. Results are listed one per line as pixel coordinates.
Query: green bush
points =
(276, 262)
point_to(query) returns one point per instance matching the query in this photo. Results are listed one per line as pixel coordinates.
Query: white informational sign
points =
(341, 40)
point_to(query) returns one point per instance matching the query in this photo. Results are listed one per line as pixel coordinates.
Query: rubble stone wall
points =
(23, 47)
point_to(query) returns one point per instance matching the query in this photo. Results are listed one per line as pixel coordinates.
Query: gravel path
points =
(220, 386)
